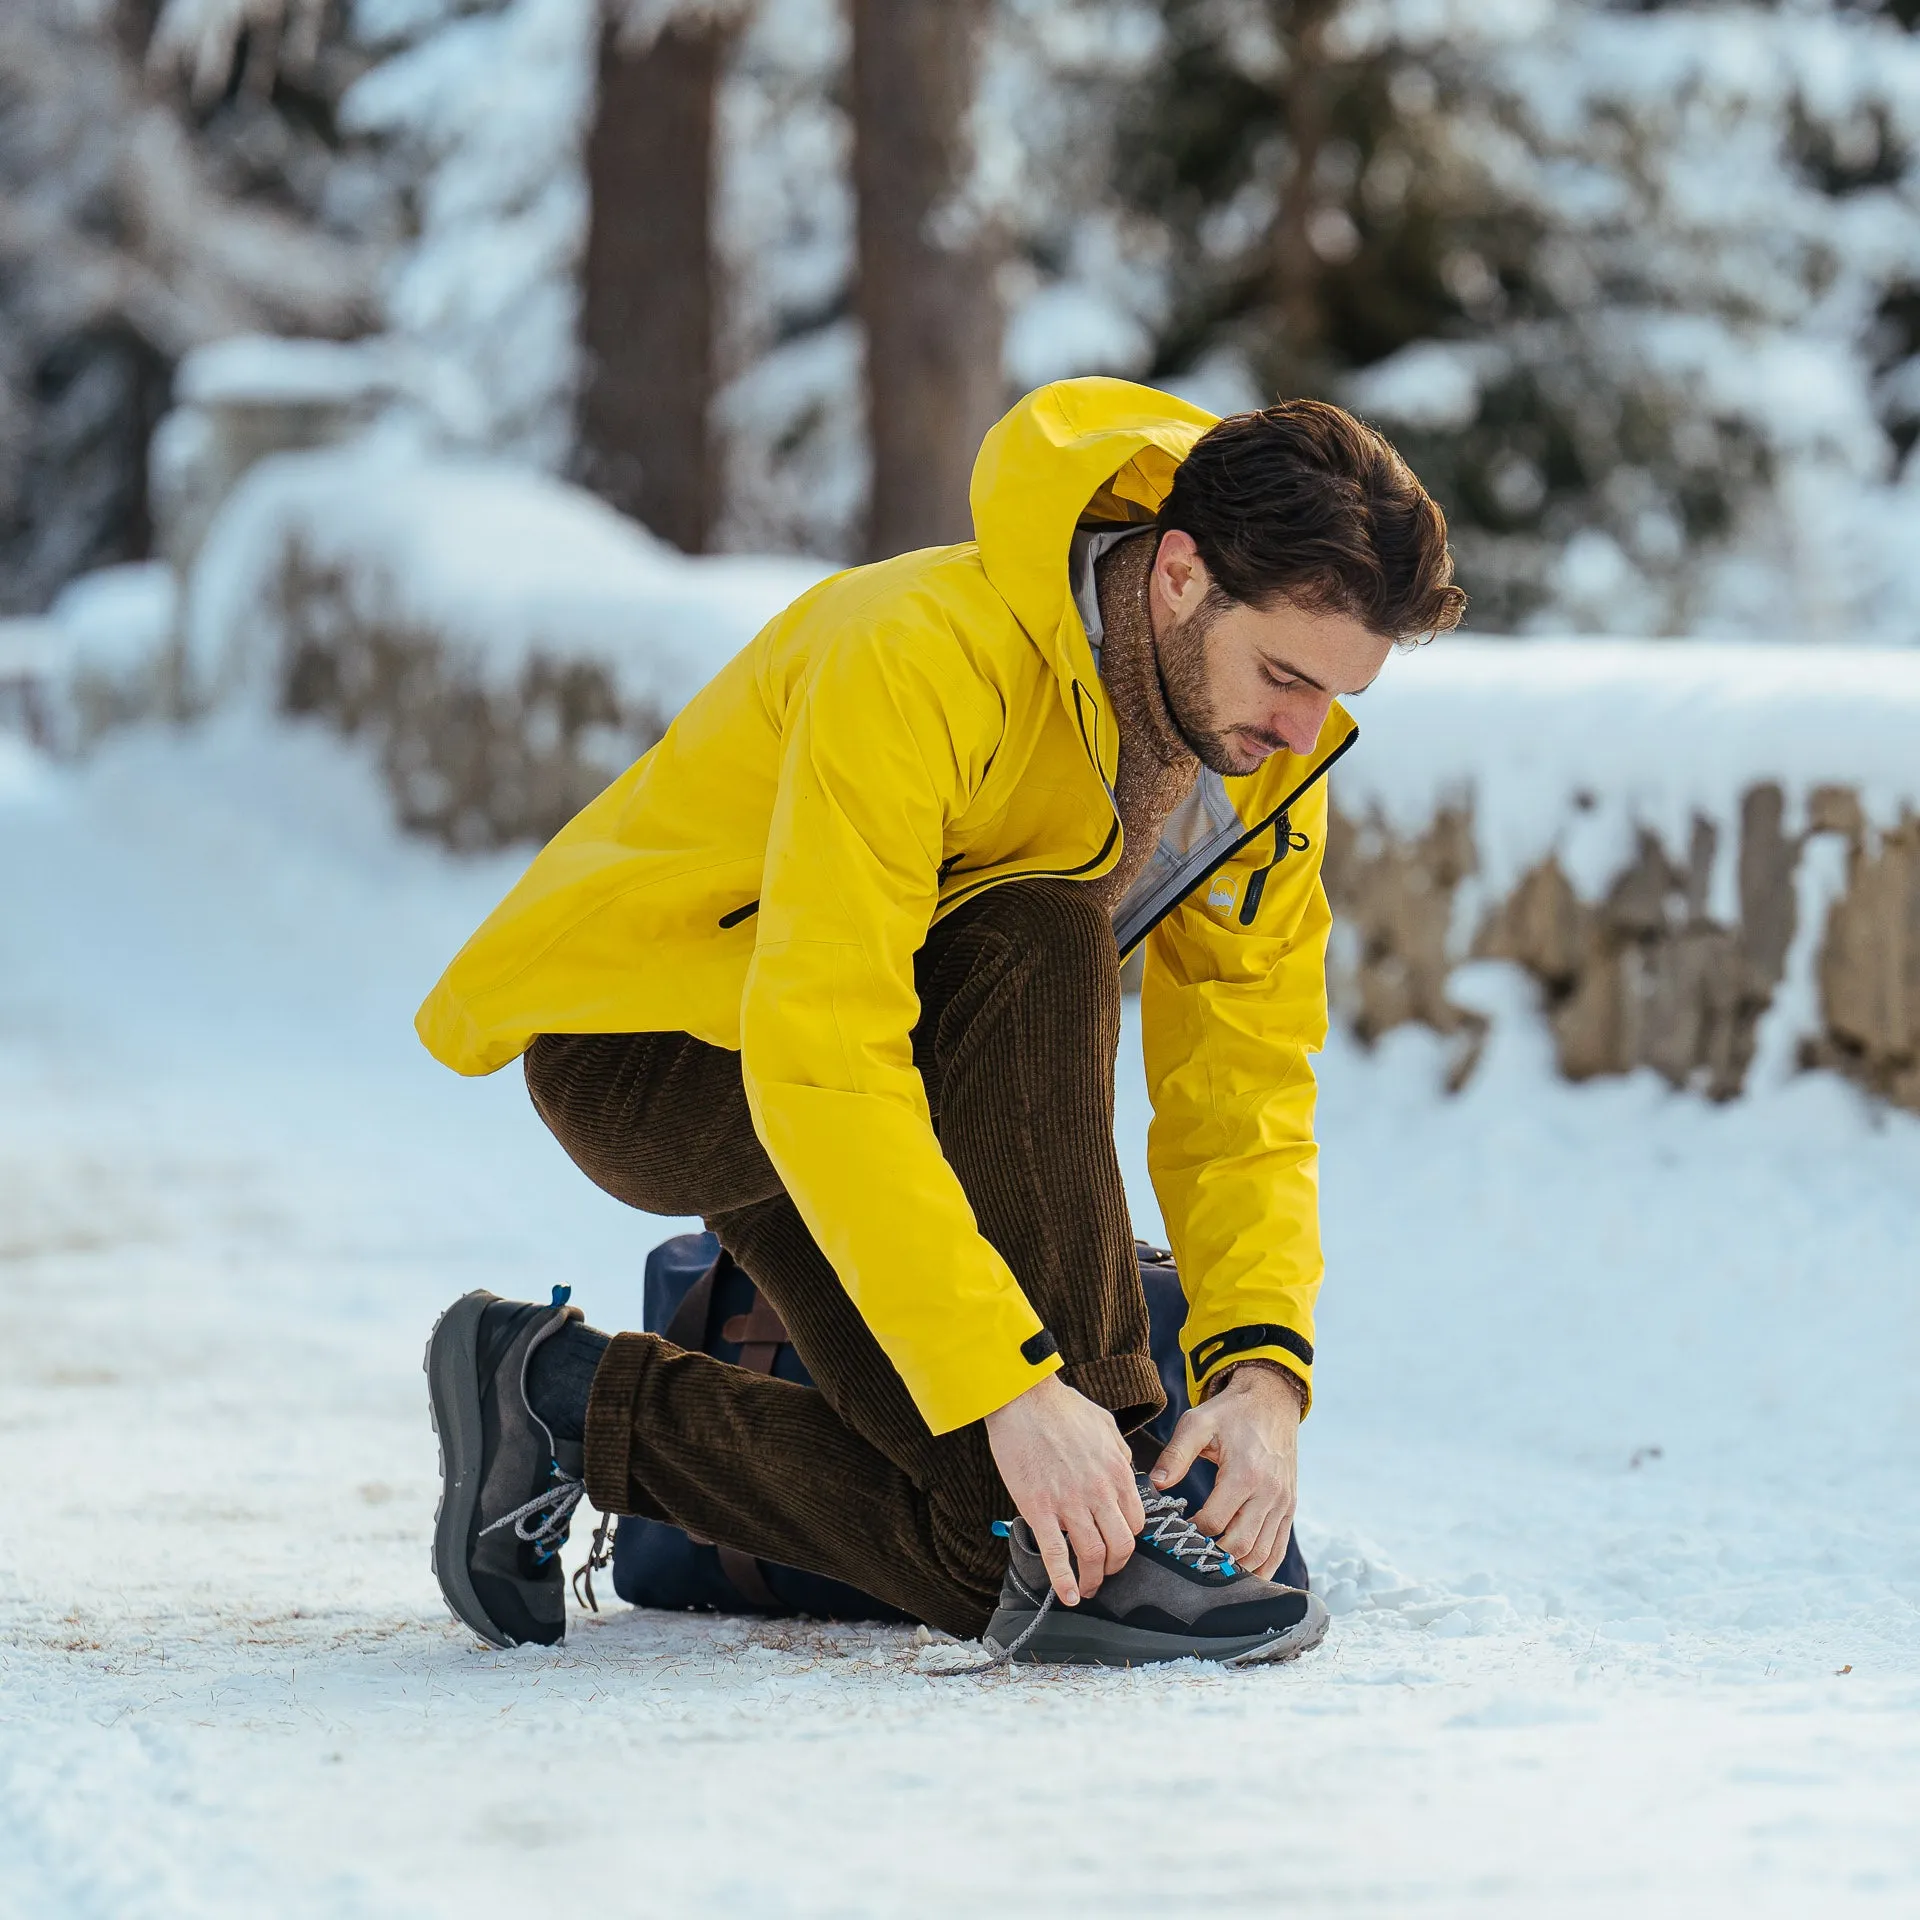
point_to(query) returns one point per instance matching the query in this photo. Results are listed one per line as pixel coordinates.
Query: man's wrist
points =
(1028, 1400)
(1221, 1380)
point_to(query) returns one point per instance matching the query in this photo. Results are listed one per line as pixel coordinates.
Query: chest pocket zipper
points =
(1285, 841)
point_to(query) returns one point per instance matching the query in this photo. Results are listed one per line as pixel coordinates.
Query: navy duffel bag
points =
(699, 1299)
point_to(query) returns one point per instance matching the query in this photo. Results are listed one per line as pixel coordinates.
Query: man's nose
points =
(1301, 720)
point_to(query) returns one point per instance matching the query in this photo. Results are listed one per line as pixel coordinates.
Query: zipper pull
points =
(1285, 841)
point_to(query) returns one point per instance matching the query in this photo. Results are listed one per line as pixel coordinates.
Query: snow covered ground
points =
(1611, 1482)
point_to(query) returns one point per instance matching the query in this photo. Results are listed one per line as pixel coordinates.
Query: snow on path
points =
(1611, 1481)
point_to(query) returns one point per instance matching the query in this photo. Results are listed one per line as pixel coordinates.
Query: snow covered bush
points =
(508, 642)
(1707, 858)
(252, 395)
(98, 659)
(1696, 391)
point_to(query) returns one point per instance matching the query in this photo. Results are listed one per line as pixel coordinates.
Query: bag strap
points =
(759, 1333)
(688, 1327)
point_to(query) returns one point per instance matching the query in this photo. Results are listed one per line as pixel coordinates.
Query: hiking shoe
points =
(1179, 1598)
(507, 1487)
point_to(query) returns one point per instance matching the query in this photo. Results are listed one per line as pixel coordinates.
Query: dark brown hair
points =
(1303, 502)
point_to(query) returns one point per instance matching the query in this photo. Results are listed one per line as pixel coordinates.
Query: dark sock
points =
(560, 1378)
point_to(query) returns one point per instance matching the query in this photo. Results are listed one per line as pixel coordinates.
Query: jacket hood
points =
(1076, 450)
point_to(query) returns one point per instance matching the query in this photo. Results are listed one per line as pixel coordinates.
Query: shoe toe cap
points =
(1279, 1610)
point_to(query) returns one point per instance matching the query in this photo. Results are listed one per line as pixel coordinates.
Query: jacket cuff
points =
(1282, 1345)
(991, 1379)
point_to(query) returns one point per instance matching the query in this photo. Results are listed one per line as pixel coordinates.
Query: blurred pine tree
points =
(168, 176)
(1636, 289)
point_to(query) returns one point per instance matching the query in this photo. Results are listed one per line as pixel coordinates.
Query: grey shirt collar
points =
(1089, 543)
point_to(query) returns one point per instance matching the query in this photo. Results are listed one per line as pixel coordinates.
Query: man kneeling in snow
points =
(836, 966)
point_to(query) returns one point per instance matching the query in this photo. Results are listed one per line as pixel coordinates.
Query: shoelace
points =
(1167, 1528)
(1002, 1656)
(552, 1510)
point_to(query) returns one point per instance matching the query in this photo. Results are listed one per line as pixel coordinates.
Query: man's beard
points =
(1184, 680)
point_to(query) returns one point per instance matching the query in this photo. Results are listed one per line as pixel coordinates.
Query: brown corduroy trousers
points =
(1019, 1023)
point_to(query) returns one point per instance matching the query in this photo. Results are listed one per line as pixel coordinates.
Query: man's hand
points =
(1250, 1429)
(1070, 1475)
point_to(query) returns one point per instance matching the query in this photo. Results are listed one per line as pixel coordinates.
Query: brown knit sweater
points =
(1157, 769)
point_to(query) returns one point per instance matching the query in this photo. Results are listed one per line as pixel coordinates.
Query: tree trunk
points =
(1298, 273)
(647, 323)
(927, 297)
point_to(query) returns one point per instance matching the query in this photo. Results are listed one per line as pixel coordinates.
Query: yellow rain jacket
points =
(901, 737)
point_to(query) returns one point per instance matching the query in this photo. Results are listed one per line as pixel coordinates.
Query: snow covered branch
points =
(202, 39)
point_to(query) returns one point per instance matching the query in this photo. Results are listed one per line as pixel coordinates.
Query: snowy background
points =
(1610, 1481)
(312, 623)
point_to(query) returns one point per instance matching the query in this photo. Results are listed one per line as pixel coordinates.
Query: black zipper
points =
(948, 867)
(1276, 819)
(1285, 841)
(1039, 873)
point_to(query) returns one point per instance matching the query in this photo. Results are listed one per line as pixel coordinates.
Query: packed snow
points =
(1609, 1484)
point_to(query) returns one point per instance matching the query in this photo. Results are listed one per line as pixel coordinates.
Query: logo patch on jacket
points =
(1220, 896)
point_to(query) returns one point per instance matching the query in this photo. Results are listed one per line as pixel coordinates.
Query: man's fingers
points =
(1242, 1537)
(1236, 1537)
(1132, 1510)
(1190, 1438)
(1271, 1547)
(1117, 1534)
(1089, 1552)
(1053, 1556)
(1222, 1507)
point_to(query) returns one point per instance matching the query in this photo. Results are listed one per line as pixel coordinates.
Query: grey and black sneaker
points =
(1180, 1597)
(507, 1487)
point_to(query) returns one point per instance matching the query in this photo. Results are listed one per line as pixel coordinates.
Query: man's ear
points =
(1180, 572)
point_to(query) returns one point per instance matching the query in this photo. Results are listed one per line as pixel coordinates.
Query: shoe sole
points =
(452, 1367)
(1066, 1640)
